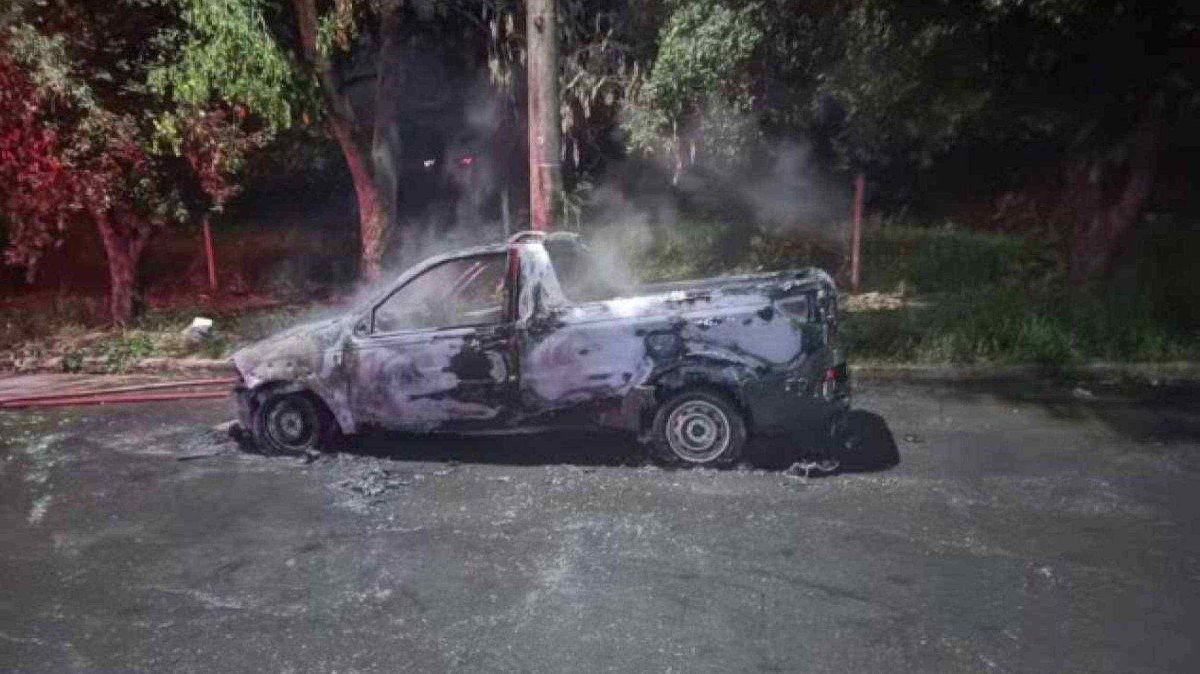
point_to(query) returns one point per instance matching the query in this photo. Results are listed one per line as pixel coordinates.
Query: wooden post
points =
(856, 213)
(209, 257)
(545, 170)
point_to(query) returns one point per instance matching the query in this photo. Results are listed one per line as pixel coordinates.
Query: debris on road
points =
(375, 482)
(366, 481)
(199, 332)
(202, 455)
(1082, 393)
(802, 469)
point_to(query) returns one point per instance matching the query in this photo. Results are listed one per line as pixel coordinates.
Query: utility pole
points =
(545, 169)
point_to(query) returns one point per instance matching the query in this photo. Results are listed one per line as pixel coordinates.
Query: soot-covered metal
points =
(551, 342)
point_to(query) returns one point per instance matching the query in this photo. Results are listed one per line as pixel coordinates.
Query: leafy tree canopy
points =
(223, 51)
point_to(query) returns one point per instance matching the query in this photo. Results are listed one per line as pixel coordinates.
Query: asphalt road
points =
(1027, 529)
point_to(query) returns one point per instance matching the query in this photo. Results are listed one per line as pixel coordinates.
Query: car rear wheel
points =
(290, 423)
(698, 428)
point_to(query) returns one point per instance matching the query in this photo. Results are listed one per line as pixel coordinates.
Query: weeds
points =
(988, 297)
(1007, 325)
(118, 354)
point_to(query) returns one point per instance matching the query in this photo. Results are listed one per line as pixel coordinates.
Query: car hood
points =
(292, 354)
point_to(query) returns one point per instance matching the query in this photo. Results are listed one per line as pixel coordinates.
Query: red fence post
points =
(856, 213)
(209, 257)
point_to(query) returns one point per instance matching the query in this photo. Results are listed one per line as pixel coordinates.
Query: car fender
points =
(728, 374)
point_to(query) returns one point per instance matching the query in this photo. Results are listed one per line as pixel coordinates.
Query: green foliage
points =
(86, 109)
(126, 350)
(66, 327)
(896, 84)
(908, 82)
(945, 260)
(225, 52)
(984, 297)
(338, 28)
(697, 95)
(924, 260)
(46, 61)
(1013, 326)
(21, 324)
(701, 51)
(701, 248)
(72, 361)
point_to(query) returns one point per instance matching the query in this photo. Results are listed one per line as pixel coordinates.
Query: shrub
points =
(989, 297)
(998, 324)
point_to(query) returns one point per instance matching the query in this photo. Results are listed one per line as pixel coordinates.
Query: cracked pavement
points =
(1027, 528)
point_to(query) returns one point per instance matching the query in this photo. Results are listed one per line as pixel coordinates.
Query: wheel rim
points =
(698, 431)
(291, 423)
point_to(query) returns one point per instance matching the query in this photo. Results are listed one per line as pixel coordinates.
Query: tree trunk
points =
(386, 145)
(122, 277)
(371, 219)
(123, 247)
(346, 131)
(1106, 221)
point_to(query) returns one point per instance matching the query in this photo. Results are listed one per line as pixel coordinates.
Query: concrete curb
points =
(95, 365)
(215, 365)
(1152, 373)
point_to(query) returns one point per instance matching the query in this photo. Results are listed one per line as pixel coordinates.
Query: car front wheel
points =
(291, 423)
(698, 428)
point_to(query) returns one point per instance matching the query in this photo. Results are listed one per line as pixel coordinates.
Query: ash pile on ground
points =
(216, 441)
(363, 482)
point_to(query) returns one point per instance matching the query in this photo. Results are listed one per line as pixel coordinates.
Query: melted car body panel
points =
(540, 358)
(420, 382)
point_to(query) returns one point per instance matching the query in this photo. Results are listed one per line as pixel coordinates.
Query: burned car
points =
(531, 334)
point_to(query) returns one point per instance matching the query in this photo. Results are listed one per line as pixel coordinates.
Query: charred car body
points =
(528, 334)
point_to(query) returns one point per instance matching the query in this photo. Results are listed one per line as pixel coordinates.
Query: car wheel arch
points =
(280, 387)
(723, 377)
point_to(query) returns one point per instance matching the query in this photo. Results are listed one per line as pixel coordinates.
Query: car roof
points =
(527, 237)
(523, 238)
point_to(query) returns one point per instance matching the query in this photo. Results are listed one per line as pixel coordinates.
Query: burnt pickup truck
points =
(532, 334)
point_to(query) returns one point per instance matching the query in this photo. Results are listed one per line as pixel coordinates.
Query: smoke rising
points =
(705, 218)
(454, 149)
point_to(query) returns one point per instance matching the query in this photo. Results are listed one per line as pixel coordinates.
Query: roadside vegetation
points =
(942, 295)
(67, 335)
(320, 142)
(930, 295)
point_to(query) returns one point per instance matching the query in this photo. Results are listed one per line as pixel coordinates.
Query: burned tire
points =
(698, 428)
(291, 423)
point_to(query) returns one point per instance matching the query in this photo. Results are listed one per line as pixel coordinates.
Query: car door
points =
(437, 353)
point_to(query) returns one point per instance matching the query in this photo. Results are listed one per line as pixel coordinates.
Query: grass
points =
(987, 298)
(73, 330)
(1006, 325)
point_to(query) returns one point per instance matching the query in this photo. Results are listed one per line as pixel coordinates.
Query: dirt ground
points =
(1028, 528)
